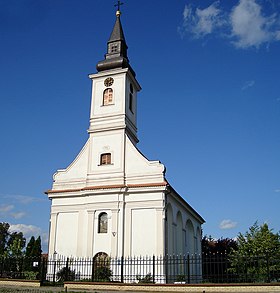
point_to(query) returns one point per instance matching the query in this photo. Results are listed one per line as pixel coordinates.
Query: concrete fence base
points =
(202, 288)
(20, 283)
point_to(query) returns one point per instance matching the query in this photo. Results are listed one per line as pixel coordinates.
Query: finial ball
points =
(118, 13)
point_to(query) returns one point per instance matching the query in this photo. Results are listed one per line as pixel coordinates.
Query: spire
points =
(117, 33)
(116, 56)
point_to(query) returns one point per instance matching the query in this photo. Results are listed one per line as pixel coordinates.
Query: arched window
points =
(108, 97)
(103, 223)
(105, 159)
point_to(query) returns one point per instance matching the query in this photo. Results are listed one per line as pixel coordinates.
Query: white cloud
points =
(23, 199)
(27, 230)
(18, 215)
(227, 224)
(5, 208)
(245, 25)
(248, 84)
(30, 230)
(249, 26)
(201, 22)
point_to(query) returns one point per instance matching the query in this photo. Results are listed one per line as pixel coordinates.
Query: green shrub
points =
(65, 274)
(147, 279)
(181, 278)
(30, 275)
(102, 274)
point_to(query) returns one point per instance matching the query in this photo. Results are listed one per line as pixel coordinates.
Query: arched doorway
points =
(101, 271)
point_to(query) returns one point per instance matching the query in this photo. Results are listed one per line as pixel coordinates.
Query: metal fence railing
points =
(211, 268)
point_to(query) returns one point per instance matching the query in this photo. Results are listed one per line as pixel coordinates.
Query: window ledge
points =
(107, 105)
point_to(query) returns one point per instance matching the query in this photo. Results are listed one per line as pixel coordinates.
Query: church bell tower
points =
(114, 89)
(113, 115)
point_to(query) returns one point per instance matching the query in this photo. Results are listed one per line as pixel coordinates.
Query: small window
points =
(108, 97)
(131, 98)
(105, 159)
(131, 102)
(103, 223)
(114, 48)
(131, 88)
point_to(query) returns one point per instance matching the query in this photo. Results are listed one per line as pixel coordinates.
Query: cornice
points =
(106, 187)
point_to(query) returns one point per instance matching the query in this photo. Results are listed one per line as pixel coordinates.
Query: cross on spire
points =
(119, 5)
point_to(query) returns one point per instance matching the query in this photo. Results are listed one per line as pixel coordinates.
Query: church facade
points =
(111, 199)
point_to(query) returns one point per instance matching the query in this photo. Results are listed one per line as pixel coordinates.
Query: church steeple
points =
(116, 56)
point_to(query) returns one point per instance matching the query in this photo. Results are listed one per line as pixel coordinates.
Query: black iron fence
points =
(218, 268)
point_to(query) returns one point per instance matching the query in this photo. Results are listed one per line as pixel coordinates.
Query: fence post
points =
(2, 266)
(42, 270)
(154, 268)
(122, 269)
(54, 270)
(92, 270)
(246, 273)
(267, 269)
(189, 271)
(165, 265)
(67, 269)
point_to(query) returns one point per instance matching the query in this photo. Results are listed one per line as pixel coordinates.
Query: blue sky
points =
(209, 108)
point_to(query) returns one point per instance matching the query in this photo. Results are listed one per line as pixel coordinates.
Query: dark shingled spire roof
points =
(116, 56)
(117, 33)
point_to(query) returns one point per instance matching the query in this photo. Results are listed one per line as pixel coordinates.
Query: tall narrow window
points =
(131, 103)
(131, 98)
(108, 97)
(103, 223)
(105, 159)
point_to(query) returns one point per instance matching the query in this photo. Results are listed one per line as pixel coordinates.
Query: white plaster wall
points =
(190, 241)
(109, 142)
(169, 230)
(67, 234)
(143, 232)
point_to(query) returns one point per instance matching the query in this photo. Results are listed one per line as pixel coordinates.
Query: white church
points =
(111, 199)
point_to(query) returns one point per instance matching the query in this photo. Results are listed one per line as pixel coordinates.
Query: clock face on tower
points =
(108, 81)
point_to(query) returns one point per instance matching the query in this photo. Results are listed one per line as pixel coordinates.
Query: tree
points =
(33, 248)
(33, 253)
(29, 247)
(37, 250)
(4, 234)
(218, 246)
(215, 261)
(17, 262)
(258, 255)
(15, 244)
